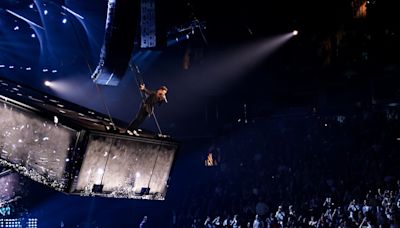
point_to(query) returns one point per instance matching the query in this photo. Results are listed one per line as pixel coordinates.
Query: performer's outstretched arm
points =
(145, 90)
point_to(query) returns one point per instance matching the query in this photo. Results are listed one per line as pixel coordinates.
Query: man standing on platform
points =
(147, 106)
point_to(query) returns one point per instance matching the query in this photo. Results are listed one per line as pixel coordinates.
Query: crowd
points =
(376, 210)
(311, 170)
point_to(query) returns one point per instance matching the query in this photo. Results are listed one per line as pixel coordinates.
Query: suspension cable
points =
(80, 41)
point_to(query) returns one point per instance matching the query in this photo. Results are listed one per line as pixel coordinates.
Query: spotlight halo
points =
(47, 83)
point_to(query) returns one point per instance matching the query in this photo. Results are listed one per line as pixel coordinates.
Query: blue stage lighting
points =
(64, 21)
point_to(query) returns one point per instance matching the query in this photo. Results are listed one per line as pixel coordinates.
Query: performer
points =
(147, 106)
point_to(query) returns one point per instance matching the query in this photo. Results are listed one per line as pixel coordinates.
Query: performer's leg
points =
(141, 116)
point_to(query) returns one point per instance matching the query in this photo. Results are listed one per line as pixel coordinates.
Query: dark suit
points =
(146, 108)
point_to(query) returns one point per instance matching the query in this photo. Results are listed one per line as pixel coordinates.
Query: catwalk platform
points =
(79, 151)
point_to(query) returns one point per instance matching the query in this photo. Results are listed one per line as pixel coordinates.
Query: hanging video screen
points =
(35, 146)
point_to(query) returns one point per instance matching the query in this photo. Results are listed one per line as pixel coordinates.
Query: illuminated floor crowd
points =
(316, 170)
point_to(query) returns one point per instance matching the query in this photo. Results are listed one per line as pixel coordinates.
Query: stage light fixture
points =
(64, 20)
(45, 12)
(97, 188)
(145, 191)
(295, 32)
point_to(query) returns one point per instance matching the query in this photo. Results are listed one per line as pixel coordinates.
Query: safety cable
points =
(91, 71)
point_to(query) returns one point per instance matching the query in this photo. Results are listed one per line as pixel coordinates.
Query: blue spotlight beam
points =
(72, 12)
(24, 19)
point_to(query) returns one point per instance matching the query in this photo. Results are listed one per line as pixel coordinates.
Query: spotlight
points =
(45, 12)
(16, 28)
(295, 32)
(64, 21)
(31, 6)
(33, 35)
(47, 83)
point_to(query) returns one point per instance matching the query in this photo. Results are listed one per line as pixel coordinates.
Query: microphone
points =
(165, 98)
